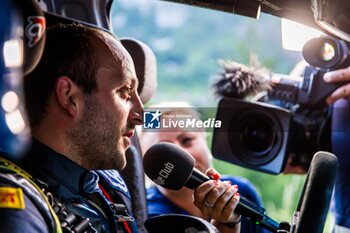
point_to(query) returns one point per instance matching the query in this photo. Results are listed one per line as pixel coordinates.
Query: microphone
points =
(239, 81)
(316, 195)
(172, 167)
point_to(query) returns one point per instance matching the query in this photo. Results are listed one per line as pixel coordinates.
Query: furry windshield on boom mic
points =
(239, 81)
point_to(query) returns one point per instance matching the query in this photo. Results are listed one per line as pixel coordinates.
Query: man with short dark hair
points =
(83, 105)
(84, 94)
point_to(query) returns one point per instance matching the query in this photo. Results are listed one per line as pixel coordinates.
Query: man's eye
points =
(125, 92)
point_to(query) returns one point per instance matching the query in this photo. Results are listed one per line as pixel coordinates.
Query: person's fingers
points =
(212, 173)
(337, 75)
(228, 214)
(214, 195)
(201, 192)
(222, 202)
(208, 204)
(341, 92)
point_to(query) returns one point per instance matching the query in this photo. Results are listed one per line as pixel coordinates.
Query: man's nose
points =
(136, 113)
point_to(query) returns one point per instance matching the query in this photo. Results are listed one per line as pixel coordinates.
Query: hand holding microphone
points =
(217, 200)
(171, 167)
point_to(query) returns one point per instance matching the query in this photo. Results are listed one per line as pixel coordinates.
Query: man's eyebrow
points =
(131, 80)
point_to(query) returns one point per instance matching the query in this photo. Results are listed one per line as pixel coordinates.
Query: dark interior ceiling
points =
(332, 13)
(297, 10)
(336, 12)
(97, 11)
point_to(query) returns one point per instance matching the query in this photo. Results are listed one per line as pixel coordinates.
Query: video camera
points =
(290, 119)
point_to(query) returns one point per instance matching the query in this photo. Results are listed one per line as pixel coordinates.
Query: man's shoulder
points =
(23, 205)
(18, 213)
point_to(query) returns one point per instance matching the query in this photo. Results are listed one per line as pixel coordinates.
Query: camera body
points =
(309, 91)
(292, 118)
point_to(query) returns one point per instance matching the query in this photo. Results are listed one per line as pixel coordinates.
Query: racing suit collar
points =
(49, 166)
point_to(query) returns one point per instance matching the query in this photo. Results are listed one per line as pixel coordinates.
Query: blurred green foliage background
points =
(188, 42)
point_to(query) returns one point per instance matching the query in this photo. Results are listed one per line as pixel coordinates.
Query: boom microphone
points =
(172, 167)
(317, 192)
(239, 81)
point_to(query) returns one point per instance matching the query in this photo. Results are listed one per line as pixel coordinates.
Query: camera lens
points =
(327, 52)
(255, 137)
(257, 134)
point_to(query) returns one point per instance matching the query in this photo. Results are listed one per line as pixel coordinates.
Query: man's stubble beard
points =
(94, 142)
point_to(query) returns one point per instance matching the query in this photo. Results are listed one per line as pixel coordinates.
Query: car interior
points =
(330, 16)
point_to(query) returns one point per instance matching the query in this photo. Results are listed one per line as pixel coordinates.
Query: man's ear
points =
(69, 96)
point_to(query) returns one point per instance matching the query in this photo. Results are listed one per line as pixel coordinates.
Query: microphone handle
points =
(246, 208)
(256, 214)
(196, 178)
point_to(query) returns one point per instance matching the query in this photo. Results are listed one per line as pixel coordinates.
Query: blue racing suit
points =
(97, 201)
